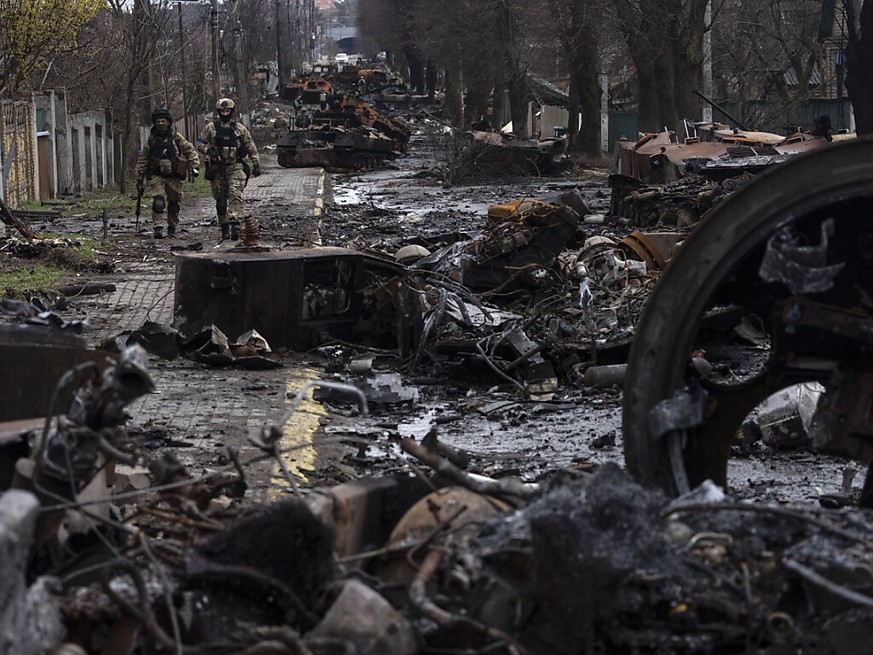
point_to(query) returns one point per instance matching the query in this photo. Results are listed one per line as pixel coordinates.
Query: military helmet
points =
(161, 112)
(224, 103)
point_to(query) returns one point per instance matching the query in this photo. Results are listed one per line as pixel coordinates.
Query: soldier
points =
(279, 126)
(226, 143)
(164, 161)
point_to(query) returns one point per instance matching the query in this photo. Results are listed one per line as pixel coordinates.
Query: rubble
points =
(438, 556)
(586, 558)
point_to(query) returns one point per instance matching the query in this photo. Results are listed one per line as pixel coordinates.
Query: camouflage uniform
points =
(164, 162)
(226, 164)
(279, 126)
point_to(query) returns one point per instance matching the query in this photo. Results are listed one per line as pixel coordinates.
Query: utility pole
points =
(279, 50)
(213, 27)
(706, 109)
(240, 69)
(184, 77)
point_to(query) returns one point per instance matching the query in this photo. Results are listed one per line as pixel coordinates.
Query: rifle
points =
(140, 188)
(211, 163)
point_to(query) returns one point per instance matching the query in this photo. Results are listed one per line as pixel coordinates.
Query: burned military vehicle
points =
(340, 132)
(660, 173)
(789, 253)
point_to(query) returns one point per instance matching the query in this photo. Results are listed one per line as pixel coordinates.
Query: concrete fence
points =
(46, 152)
(18, 152)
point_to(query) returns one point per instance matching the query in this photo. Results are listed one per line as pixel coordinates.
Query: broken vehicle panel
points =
(296, 299)
(31, 360)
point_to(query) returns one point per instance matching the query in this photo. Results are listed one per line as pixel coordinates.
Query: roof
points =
(546, 92)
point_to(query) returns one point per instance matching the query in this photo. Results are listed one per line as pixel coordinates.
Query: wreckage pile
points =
(579, 562)
(680, 203)
(104, 558)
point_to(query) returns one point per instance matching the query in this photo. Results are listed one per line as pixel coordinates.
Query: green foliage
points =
(34, 32)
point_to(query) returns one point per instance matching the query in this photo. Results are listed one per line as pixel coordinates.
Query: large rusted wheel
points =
(792, 250)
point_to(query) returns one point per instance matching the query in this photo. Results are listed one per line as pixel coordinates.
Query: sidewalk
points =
(144, 289)
(202, 409)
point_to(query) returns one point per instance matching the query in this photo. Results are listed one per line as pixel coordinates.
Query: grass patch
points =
(80, 243)
(16, 282)
(110, 199)
(40, 264)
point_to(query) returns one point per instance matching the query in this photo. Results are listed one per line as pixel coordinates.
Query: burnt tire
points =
(724, 249)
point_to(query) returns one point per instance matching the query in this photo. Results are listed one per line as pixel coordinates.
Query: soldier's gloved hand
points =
(140, 184)
(256, 170)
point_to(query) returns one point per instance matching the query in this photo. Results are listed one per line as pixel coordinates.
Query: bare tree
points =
(455, 39)
(576, 26)
(665, 41)
(766, 51)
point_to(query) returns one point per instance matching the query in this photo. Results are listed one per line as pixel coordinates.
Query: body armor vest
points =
(226, 142)
(164, 159)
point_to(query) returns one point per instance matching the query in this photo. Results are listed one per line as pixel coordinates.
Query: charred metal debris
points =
(109, 550)
(675, 179)
(532, 300)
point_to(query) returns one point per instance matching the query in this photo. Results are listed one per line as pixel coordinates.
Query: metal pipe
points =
(722, 110)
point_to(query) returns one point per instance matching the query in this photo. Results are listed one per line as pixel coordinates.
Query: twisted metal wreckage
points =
(458, 562)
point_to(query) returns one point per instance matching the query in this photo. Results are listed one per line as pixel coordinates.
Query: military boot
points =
(159, 233)
(225, 231)
(234, 231)
(171, 231)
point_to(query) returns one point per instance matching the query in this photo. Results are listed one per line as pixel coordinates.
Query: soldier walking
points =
(164, 162)
(227, 143)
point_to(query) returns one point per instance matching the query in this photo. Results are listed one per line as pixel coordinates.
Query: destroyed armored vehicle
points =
(496, 153)
(712, 153)
(345, 133)
(788, 253)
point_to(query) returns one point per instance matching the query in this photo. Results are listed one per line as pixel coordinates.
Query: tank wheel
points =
(792, 250)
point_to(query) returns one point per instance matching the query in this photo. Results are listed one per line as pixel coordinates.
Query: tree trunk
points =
(431, 78)
(416, 69)
(686, 37)
(585, 94)
(478, 85)
(665, 38)
(518, 104)
(859, 64)
(453, 103)
(576, 25)
(509, 38)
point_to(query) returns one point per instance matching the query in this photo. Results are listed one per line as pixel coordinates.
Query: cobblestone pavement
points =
(200, 409)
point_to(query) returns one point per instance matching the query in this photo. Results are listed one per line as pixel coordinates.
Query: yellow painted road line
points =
(297, 445)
